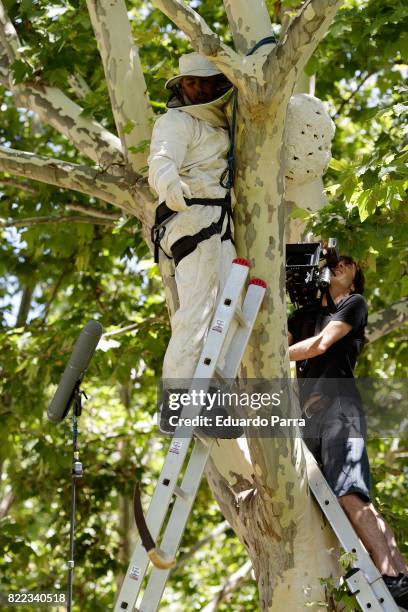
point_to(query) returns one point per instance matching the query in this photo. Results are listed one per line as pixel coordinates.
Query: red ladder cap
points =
(259, 282)
(242, 262)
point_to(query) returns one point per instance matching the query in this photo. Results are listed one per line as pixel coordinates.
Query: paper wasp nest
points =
(309, 132)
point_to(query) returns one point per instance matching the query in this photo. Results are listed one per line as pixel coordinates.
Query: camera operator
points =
(325, 338)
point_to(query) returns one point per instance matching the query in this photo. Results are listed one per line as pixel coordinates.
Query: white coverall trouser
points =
(200, 278)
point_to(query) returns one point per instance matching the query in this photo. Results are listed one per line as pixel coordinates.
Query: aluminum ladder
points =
(227, 311)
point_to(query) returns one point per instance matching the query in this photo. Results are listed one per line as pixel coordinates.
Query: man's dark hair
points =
(359, 280)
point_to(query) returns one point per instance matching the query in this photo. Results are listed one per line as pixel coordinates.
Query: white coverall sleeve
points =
(172, 134)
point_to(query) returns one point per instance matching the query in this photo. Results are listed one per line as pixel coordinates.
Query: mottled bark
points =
(8, 34)
(124, 76)
(121, 191)
(202, 38)
(387, 320)
(79, 86)
(301, 39)
(55, 108)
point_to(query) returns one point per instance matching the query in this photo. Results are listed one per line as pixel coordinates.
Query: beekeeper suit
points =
(187, 162)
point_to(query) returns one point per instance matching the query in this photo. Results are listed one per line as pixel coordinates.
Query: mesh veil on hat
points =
(193, 64)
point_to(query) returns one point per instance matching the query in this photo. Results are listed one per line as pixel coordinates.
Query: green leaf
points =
(300, 213)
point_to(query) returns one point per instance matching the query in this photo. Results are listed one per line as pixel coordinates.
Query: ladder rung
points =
(240, 317)
(181, 493)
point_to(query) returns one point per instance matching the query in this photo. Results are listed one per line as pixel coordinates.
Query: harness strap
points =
(187, 244)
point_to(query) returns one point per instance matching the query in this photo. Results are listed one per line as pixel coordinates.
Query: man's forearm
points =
(306, 349)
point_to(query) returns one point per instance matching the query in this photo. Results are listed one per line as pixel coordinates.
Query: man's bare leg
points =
(398, 560)
(376, 536)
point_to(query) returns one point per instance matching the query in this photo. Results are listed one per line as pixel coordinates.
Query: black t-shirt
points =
(339, 360)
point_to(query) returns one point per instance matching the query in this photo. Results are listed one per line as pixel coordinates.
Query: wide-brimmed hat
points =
(193, 64)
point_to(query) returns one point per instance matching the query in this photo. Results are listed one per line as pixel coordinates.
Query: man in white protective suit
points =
(188, 169)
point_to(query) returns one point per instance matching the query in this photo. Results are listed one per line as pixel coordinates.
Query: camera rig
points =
(308, 267)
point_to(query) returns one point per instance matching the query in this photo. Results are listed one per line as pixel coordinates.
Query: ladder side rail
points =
(238, 344)
(176, 525)
(347, 536)
(337, 518)
(370, 598)
(221, 321)
(155, 516)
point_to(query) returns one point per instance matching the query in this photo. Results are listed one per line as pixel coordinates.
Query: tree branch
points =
(94, 212)
(203, 39)
(301, 39)
(54, 292)
(79, 86)
(17, 185)
(136, 326)
(116, 190)
(55, 108)
(386, 320)
(124, 76)
(249, 23)
(346, 101)
(87, 135)
(232, 583)
(8, 35)
(6, 503)
(218, 530)
(53, 220)
(25, 304)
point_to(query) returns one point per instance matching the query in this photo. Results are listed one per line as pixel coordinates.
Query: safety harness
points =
(187, 244)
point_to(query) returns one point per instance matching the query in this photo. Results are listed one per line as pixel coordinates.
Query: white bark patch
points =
(124, 76)
(249, 22)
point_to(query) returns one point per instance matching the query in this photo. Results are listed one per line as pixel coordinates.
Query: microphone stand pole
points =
(76, 474)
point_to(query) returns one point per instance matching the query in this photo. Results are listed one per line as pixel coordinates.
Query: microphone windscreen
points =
(81, 355)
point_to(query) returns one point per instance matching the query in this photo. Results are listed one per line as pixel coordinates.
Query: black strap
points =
(187, 244)
(268, 40)
(164, 213)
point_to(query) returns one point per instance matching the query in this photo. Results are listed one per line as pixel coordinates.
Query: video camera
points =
(308, 267)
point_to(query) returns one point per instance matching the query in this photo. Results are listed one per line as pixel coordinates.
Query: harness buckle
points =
(156, 233)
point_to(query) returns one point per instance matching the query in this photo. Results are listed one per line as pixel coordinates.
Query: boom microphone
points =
(81, 355)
